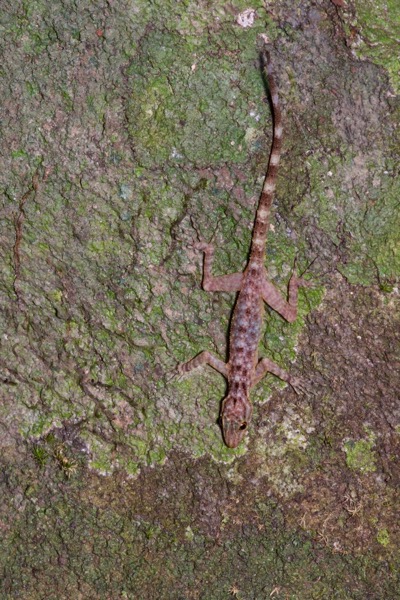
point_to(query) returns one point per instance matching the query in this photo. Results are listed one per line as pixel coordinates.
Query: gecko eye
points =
(243, 426)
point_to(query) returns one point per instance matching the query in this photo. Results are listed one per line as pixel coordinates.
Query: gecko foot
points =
(299, 281)
(300, 386)
(174, 374)
(204, 247)
(304, 282)
(180, 370)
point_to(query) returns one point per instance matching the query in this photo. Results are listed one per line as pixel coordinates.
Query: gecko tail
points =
(276, 148)
(267, 195)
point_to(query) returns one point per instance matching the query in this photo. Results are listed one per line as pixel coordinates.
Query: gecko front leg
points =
(204, 358)
(222, 283)
(266, 365)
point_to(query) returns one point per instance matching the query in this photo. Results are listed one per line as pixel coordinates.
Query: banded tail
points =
(268, 190)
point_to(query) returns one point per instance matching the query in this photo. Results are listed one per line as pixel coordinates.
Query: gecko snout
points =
(235, 417)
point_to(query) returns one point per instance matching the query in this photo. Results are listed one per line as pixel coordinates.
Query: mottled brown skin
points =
(243, 369)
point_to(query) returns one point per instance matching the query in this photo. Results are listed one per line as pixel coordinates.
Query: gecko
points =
(244, 369)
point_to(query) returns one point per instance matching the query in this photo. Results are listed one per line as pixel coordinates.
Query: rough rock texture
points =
(129, 130)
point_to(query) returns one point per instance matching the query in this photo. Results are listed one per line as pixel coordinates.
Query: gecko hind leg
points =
(204, 358)
(222, 283)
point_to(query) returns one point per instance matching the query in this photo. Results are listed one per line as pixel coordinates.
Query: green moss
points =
(41, 425)
(67, 100)
(176, 96)
(130, 466)
(383, 537)
(19, 154)
(378, 30)
(369, 229)
(360, 455)
(284, 457)
(56, 295)
(101, 460)
(40, 455)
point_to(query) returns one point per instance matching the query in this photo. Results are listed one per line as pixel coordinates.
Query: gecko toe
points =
(300, 386)
(204, 247)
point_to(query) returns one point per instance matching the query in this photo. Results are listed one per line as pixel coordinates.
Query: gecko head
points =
(235, 416)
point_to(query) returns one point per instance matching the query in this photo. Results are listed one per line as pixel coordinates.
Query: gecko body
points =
(244, 369)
